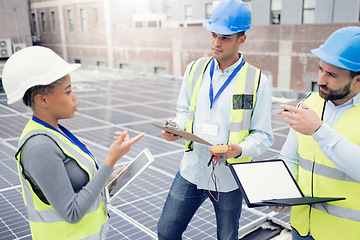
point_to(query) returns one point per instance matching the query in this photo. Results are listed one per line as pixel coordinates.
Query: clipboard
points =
(270, 183)
(132, 170)
(185, 135)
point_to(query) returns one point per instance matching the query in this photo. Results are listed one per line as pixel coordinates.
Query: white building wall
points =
(260, 12)
(346, 11)
(337, 11)
(291, 12)
(327, 11)
(15, 21)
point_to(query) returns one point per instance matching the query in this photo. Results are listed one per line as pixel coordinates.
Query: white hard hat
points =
(30, 67)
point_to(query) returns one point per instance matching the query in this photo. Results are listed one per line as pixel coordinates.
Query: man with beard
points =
(322, 149)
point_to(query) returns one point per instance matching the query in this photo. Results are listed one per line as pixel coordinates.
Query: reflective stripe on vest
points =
(243, 101)
(45, 223)
(195, 78)
(319, 177)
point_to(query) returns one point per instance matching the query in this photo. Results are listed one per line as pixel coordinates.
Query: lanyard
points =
(66, 133)
(226, 83)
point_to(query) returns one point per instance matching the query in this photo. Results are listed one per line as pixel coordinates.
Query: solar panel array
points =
(112, 101)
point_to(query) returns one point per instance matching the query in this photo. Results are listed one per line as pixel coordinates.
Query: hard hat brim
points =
(338, 62)
(223, 30)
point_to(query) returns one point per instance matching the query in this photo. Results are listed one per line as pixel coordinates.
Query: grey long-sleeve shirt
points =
(58, 180)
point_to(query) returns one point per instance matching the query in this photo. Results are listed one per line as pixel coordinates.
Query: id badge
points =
(210, 129)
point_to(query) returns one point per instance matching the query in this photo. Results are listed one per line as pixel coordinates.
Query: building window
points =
(168, 13)
(276, 11)
(248, 2)
(314, 87)
(208, 10)
(83, 20)
(123, 66)
(43, 22)
(76, 60)
(100, 64)
(160, 70)
(188, 12)
(152, 24)
(309, 11)
(194, 24)
(53, 21)
(33, 18)
(70, 20)
(96, 17)
(139, 24)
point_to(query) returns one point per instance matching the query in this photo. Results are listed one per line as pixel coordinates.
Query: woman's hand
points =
(120, 147)
(113, 175)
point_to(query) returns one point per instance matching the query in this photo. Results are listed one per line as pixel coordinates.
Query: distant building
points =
(163, 36)
(15, 31)
(182, 13)
(267, 12)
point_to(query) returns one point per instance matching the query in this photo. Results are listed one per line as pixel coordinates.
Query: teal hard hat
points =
(342, 49)
(229, 17)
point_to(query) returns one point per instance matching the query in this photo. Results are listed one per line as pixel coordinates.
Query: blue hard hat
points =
(342, 49)
(229, 17)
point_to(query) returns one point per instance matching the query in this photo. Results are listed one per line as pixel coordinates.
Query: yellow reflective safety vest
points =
(242, 104)
(319, 177)
(45, 223)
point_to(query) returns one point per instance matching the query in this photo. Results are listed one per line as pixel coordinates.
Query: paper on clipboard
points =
(185, 135)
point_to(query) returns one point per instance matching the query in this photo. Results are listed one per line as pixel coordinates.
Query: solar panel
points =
(108, 103)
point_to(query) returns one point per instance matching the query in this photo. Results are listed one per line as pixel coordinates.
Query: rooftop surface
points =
(109, 101)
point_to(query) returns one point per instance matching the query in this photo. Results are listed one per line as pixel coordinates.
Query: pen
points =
(285, 110)
(280, 110)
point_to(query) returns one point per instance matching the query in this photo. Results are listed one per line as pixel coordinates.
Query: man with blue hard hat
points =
(223, 100)
(323, 146)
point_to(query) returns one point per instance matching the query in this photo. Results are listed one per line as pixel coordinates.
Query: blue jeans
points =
(296, 236)
(182, 202)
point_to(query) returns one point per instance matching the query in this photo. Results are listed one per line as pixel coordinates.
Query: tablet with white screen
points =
(270, 183)
(131, 171)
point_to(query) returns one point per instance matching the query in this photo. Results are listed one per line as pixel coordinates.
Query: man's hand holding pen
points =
(303, 120)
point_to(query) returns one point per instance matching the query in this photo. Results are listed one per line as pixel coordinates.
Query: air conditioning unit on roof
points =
(5, 48)
(18, 46)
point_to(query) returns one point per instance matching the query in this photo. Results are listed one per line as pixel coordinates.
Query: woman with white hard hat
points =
(61, 180)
